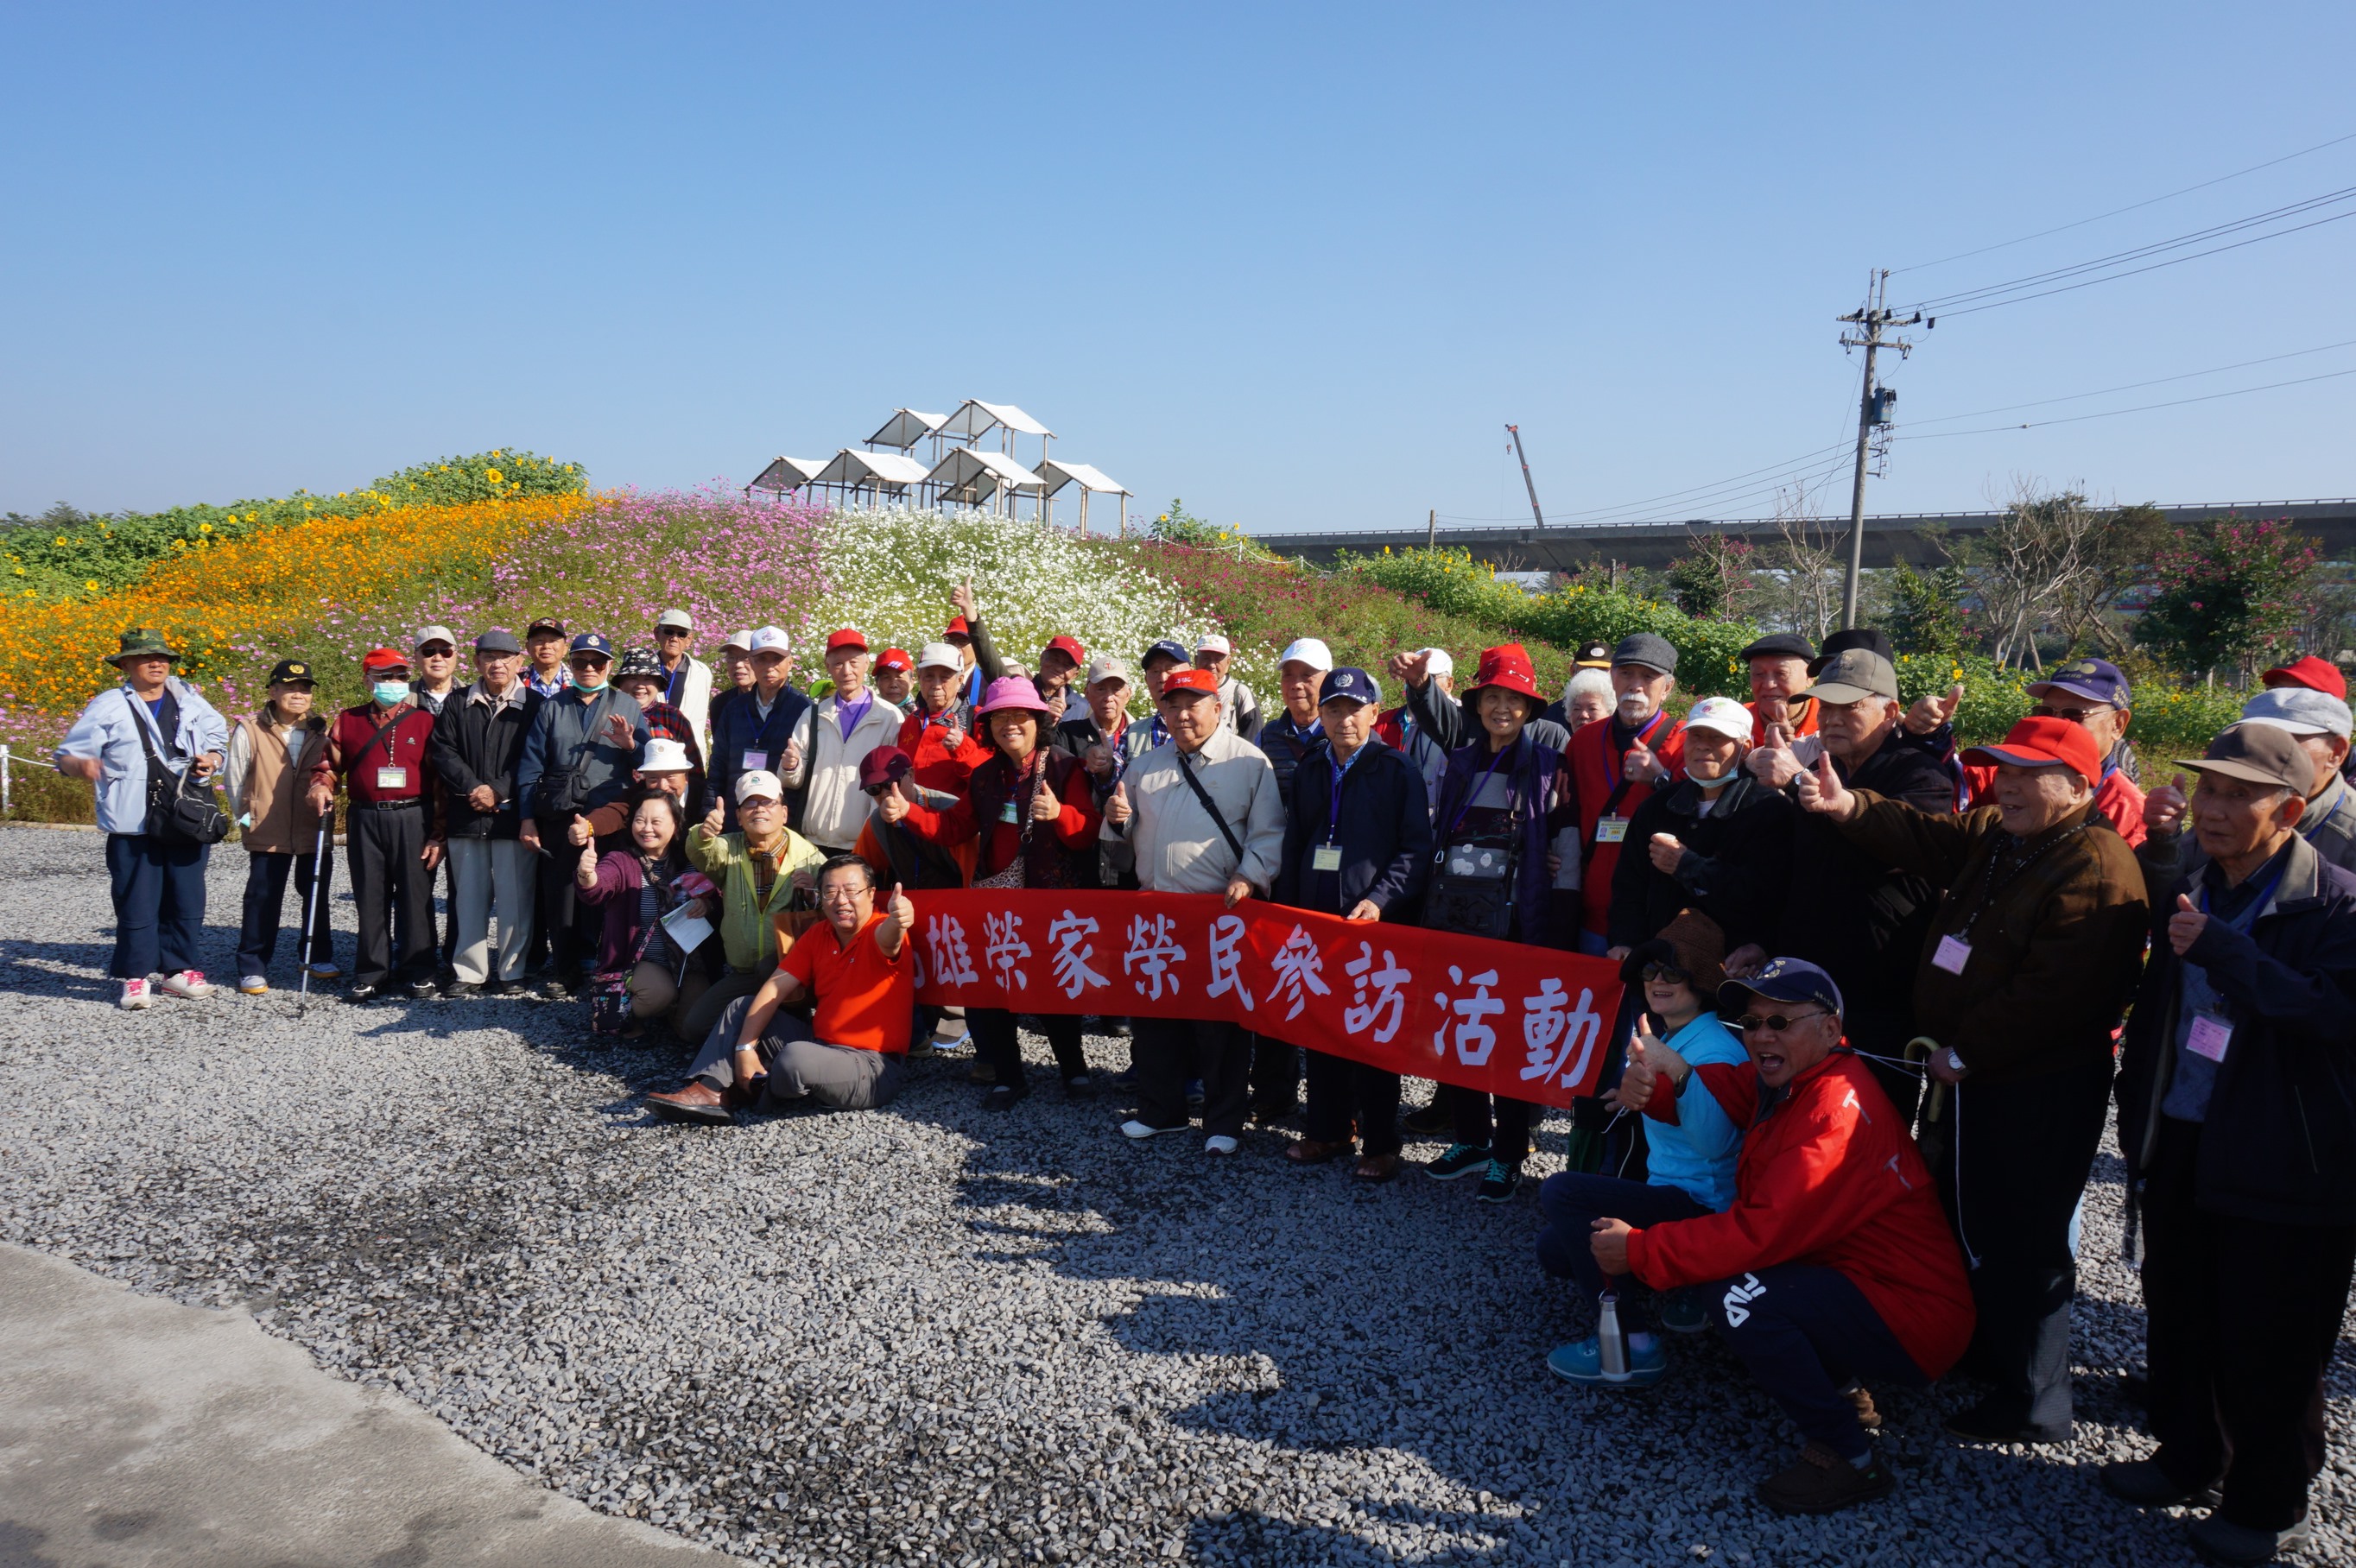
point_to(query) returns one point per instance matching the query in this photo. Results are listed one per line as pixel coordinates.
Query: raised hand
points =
(1117, 807)
(1657, 1054)
(1638, 1079)
(1411, 669)
(1931, 711)
(1640, 766)
(618, 733)
(902, 909)
(580, 833)
(1745, 960)
(716, 821)
(2163, 808)
(962, 597)
(892, 805)
(793, 756)
(1097, 760)
(1666, 851)
(2185, 926)
(1773, 765)
(1044, 807)
(1822, 791)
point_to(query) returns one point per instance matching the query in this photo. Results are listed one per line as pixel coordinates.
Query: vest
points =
(284, 824)
(1596, 775)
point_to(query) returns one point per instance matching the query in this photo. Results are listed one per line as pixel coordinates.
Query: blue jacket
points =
(563, 736)
(1383, 830)
(109, 730)
(737, 728)
(1697, 1153)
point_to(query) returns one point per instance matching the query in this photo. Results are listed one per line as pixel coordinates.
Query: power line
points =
(2156, 266)
(2132, 207)
(2140, 408)
(1694, 492)
(2131, 385)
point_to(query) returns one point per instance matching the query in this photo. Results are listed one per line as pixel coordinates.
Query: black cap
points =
(1864, 637)
(1779, 645)
(498, 641)
(292, 672)
(545, 623)
(1593, 655)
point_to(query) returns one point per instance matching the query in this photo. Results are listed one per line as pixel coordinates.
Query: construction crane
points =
(1515, 431)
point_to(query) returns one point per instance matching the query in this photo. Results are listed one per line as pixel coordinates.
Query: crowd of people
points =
(1882, 989)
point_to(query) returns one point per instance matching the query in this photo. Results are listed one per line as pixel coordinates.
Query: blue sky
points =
(1296, 265)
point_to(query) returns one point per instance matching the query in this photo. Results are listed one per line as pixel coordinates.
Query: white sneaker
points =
(1218, 1143)
(188, 983)
(253, 986)
(136, 994)
(1133, 1128)
(325, 969)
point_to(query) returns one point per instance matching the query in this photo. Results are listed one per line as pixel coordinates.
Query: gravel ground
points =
(924, 1335)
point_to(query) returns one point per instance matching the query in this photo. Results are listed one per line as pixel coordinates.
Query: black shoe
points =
(1079, 1086)
(462, 990)
(2143, 1483)
(364, 993)
(1428, 1121)
(424, 991)
(499, 987)
(554, 989)
(1459, 1160)
(1004, 1097)
(2220, 1539)
(1985, 1423)
(1271, 1110)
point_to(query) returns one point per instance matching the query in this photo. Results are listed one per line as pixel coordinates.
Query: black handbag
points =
(181, 807)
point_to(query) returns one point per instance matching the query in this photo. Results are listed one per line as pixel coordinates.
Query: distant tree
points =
(1926, 609)
(2230, 592)
(1712, 580)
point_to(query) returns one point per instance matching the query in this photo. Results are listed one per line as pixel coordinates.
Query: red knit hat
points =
(1508, 665)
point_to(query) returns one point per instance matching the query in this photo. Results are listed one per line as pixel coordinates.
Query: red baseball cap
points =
(377, 660)
(894, 658)
(1200, 680)
(848, 637)
(2313, 673)
(2044, 743)
(1067, 646)
(1508, 665)
(957, 628)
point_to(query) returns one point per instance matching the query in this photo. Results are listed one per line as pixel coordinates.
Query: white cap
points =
(680, 618)
(760, 781)
(661, 754)
(1441, 663)
(1311, 651)
(1723, 715)
(435, 635)
(1212, 643)
(768, 640)
(939, 656)
(741, 641)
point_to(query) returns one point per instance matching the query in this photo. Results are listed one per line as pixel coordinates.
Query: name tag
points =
(1951, 956)
(1325, 857)
(756, 761)
(1611, 829)
(1007, 813)
(2210, 1037)
(392, 778)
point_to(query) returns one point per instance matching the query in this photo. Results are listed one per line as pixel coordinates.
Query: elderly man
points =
(578, 755)
(1833, 1265)
(733, 678)
(856, 971)
(2090, 692)
(378, 748)
(1857, 914)
(749, 735)
(2237, 1115)
(895, 678)
(829, 738)
(1778, 666)
(545, 643)
(2029, 964)
(767, 874)
(2320, 724)
(1292, 733)
(1717, 840)
(1615, 767)
(1200, 815)
(686, 679)
(476, 748)
(1215, 653)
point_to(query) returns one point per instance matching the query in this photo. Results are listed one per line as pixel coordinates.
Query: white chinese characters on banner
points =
(1069, 932)
(1475, 1038)
(1226, 960)
(1299, 969)
(1152, 950)
(1006, 949)
(1383, 984)
(952, 961)
(1550, 1033)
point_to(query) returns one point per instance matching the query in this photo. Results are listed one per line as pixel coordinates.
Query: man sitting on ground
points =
(848, 1056)
(1835, 1262)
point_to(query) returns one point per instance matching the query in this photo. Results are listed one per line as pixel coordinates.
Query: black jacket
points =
(476, 744)
(1735, 865)
(1862, 920)
(2278, 1143)
(1286, 747)
(1383, 830)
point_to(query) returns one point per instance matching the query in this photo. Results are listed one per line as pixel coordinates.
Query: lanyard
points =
(2249, 915)
(1473, 793)
(671, 680)
(1334, 805)
(1993, 886)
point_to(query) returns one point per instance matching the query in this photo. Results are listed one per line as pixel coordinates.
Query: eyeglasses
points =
(842, 895)
(1775, 1022)
(2074, 715)
(877, 791)
(1669, 972)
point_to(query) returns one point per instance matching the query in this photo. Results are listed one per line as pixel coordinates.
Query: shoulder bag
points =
(180, 806)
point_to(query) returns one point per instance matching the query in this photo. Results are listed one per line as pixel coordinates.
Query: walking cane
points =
(311, 911)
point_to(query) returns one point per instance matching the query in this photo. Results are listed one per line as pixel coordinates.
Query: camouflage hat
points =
(141, 643)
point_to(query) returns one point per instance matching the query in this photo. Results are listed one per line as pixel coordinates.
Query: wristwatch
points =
(1956, 1062)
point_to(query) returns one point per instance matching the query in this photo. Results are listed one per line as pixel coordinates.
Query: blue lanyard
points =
(671, 684)
(2249, 915)
(1334, 805)
(1474, 794)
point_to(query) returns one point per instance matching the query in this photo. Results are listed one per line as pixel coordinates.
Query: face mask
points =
(589, 681)
(1710, 786)
(392, 693)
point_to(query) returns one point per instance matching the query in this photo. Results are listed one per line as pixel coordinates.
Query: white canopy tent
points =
(969, 477)
(784, 475)
(884, 473)
(1057, 474)
(906, 428)
(975, 419)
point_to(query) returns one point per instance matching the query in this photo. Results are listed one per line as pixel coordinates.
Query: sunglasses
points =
(877, 791)
(1669, 972)
(667, 633)
(586, 662)
(1777, 1022)
(2074, 715)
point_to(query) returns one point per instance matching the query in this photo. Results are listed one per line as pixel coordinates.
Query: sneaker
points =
(1499, 1182)
(325, 969)
(189, 984)
(2220, 1539)
(1458, 1159)
(1582, 1362)
(1822, 1481)
(424, 991)
(1219, 1144)
(253, 986)
(1133, 1128)
(1685, 1311)
(136, 994)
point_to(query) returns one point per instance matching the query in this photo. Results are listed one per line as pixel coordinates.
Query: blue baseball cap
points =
(591, 642)
(2096, 680)
(1781, 980)
(1166, 648)
(1350, 683)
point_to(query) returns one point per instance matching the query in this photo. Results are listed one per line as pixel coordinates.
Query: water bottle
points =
(1610, 1340)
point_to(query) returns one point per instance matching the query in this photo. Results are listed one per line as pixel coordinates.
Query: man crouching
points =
(1834, 1263)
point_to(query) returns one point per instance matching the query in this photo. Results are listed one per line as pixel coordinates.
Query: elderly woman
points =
(637, 890)
(1587, 698)
(1717, 840)
(1035, 818)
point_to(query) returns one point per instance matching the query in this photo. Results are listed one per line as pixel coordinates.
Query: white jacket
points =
(835, 810)
(694, 699)
(1179, 848)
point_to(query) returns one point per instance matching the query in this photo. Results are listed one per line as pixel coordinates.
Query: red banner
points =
(1526, 1022)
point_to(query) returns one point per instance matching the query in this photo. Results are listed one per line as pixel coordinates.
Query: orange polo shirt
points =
(865, 1000)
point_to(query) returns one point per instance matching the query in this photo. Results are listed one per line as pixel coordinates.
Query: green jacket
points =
(747, 931)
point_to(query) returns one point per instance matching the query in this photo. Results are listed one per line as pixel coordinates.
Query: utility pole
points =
(1872, 411)
(1431, 528)
(1515, 431)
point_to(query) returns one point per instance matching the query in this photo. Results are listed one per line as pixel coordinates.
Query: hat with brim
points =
(1871, 638)
(1693, 942)
(939, 656)
(1779, 645)
(1852, 676)
(141, 643)
(2043, 743)
(2301, 709)
(1189, 684)
(2259, 755)
(1593, 655)
(884, 764)
(1012, 693)
(663, 754)
(2315, 674)
(1507, 667)
(1648, 649)
(2089, 680)
(1785, 980)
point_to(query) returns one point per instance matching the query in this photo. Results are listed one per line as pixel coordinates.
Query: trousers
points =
(1505, 1135)
(159, 903)
(1166, 1052)
(386, 850)
(801, 1066)
(1570, 1203)
(1342, 1092)
(487, 874)
(1275, 1073)
(2241, 1319)
(997, 1041)
(265, 899)
(1806, 1333)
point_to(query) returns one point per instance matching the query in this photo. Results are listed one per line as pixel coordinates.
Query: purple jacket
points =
(619, 881)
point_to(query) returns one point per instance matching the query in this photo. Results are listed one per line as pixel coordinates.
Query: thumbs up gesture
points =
(579, 833)
(2185, 926)
(716, 821)
(901, 908)
(1638, 1079)
(1931, 711)
(1640, 766)
(1116, 806)
(2163, 808)
(1822, 791)
(1044, 807)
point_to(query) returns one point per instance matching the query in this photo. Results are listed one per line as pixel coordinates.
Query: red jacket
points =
(2117, 798)
(938, 768)
(1828, 1176)
(1806, 725)
(1595, 763)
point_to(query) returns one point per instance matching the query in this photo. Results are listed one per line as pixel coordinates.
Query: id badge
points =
(1006, 813)
(756, 761)
(1325, 857)
(2210, 1037)
(1611, 829)
(392, 778)
(1951, 956)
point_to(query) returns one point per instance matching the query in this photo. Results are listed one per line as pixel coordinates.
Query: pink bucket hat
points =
(1012, 691)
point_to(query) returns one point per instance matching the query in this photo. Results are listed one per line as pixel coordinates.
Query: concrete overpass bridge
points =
(1888, 538)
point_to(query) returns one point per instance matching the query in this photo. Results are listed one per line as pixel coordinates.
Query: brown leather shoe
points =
(696, 1102)
(1313, 1151)
(1821, 1481)
(1374, 1167)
